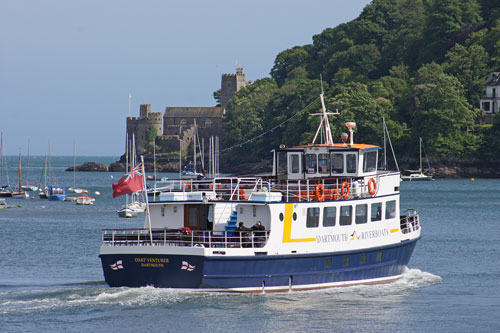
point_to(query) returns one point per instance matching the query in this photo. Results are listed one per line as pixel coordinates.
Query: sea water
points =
(51, 277)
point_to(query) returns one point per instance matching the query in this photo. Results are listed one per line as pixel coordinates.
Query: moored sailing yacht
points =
(20, 193)
(330, 218)
(417, 175)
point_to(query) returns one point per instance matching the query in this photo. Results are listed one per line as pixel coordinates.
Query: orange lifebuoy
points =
(372, 186)
(242, 194)
(343, 192)
(187, 186)
(320, 192)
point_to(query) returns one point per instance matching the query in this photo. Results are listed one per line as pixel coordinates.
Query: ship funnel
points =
(350, 125)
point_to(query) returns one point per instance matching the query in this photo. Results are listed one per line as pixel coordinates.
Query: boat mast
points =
(74, 164)
(19, 188)
(420, 154)
(385, 144)
(324, 122)
(126, 166)
(194, 146)
(3, 163)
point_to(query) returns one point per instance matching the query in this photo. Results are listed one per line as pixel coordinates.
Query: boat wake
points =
(92, 295)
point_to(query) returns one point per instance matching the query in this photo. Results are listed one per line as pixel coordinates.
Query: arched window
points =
(208, 123)
(183, 122)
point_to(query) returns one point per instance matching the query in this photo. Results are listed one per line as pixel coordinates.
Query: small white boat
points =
(418, 175)
(132, 209)
(84, 200)
(77, 190)
(20, 195)
(29, 187)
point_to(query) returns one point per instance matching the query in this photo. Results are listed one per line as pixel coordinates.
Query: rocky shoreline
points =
(441, 167)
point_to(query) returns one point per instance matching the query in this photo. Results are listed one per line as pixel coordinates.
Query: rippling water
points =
(51, 278)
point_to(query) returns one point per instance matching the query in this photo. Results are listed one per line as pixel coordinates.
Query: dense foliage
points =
(420, 64)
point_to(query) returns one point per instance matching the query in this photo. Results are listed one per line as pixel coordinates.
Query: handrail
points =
(175, 237)
(409, 222)
(230, 188)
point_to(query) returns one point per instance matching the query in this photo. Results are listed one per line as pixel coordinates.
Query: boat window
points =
(350, 161)
(337, 163)
(311, 163)
(376, 214)
(345, 261)
(390, 209)
(361, 213)
(329, 216)
(345, 215)
(370, 163)
(379, 256)
(362, 259)
(281, 163)
(312, 217)
(294, 163)
(324, 163)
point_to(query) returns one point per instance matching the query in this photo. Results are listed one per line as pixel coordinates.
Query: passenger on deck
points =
(242, 234)
(259, 234)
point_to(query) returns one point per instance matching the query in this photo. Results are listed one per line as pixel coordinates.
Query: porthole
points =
(295, 216)
(328, 262)
(281, 217)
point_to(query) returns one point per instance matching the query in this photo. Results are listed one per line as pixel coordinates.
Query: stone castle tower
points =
(230, 84)
(138, 126)
(178, 122)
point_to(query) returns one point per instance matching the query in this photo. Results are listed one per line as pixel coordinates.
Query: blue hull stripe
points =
(221, 272)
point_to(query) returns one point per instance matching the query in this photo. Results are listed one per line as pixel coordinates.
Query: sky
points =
(67, 67)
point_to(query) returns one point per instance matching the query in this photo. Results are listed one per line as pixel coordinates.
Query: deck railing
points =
(409, 222)
(184, 237)
(237, 189)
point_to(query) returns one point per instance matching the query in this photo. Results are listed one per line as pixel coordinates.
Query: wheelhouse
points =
(320, 161)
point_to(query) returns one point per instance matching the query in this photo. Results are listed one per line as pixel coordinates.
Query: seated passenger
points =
(259, 234)
(242, 234)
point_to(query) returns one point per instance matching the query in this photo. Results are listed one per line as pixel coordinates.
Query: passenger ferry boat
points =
(331, 219)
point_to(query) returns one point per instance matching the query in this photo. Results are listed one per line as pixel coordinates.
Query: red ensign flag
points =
(130, 183)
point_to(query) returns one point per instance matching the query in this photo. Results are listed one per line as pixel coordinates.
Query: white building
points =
(490, 102)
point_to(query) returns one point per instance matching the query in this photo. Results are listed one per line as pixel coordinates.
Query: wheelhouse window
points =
(350, 161)
(390, 209)
(329, 216)
(324, 163)
(370, 162)
(312, 217)
(376, 212)
(281, 163)
(294, 163)
(345, 215)
(361, 213)
(337, 163)
(311, 163)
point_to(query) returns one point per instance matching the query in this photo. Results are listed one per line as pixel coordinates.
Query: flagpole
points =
(148, 216)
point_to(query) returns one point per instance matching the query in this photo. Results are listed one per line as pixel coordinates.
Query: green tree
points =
(443, 117)
(448, 22)
(151, 135)
(217, 96)
(361, 60)
(243, 120)
(355, 103)
(286, 61)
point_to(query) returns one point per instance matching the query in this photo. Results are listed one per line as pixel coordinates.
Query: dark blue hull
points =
(260, 271)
